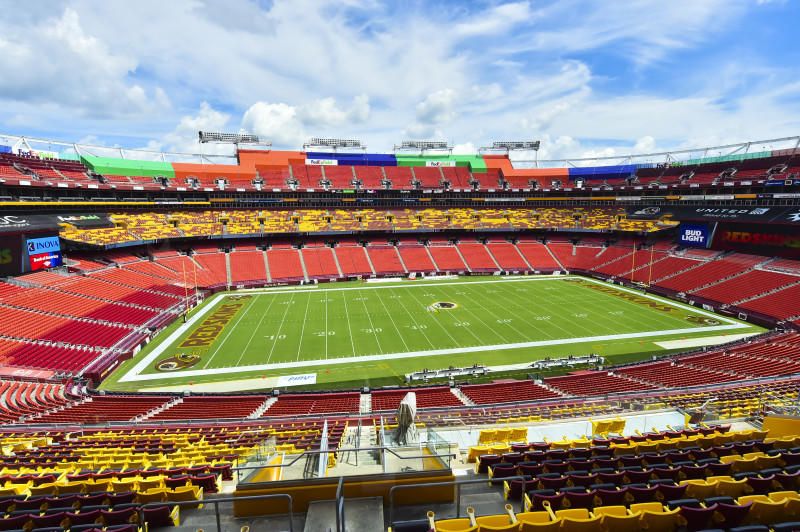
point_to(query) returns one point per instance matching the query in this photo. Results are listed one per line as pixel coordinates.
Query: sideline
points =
(134, 374)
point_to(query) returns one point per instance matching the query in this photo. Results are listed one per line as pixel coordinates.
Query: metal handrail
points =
(456, 483)
(340, 505)
(217, 501)
(300, 456)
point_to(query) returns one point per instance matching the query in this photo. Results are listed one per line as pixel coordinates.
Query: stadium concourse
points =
(109, 258)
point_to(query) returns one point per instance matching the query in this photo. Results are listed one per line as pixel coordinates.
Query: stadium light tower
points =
(206, 137)
(423, 145)
(334, 144)
(508, 146)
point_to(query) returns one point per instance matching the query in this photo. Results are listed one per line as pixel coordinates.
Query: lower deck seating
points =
(500, 392)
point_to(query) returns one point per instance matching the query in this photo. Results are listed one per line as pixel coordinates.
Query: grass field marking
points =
(666, 301)
(172, 338)
(133, 373)
(414, 354)
(433, 319)
(303, 329)
(391, 318)
(326, 326)
(232, 327)
(494, 329)
(256, 329)
(371, 325)
(277, 334)
(349, 326)
(416, 324)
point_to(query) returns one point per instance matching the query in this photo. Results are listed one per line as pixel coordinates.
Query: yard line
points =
(277, 334)
(349, 327)
(434, 320)
(326, 326)
(433, 352)
(372, 326)
(493, 329)
(255, 329)
(416, 324)
(392, 320)
(303, 328)
(243, 313)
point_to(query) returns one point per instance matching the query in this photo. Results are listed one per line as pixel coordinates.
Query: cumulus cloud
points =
(326, 112)
(57, 61)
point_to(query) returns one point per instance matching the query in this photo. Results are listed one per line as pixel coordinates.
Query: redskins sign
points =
(178, 362)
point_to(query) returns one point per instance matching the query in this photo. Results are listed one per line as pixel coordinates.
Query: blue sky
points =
(588, 78)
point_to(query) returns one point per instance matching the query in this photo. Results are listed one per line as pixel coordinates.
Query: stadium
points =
(330, 337)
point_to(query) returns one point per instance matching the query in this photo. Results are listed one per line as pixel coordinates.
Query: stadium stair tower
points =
(522, 256)
(303, 265)
(494, 260)
(400, 258)
(266, 266)
(461, 256)
(430, 256)
(228, 276)
(369, 260)
(336, 261)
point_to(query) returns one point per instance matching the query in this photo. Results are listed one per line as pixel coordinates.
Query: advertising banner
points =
(439, 164)
(43, 261)
(693, 235)
(775, 215)
(43, 245)
(85, 221)
(322, 162)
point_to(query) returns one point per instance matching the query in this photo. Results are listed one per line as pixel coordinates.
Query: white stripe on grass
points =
(429, 353)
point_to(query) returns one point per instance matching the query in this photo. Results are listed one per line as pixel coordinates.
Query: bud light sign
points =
(694, 235)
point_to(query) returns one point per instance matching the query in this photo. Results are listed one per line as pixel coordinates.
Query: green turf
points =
(356, 320)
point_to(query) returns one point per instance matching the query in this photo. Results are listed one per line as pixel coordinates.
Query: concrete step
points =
(360, 515)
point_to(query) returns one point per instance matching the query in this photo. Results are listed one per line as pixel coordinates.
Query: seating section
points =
(710, 272)
(748, 285)
(210, 407)
(500, 392)
(103, 408)
(595, 383)
(247, 267)
(385, 260)
(320, 262)
(20, 399)
(416, 258)
(294, 405)
(425, 397)
(130, 227)
(353, 260)
(506, 256)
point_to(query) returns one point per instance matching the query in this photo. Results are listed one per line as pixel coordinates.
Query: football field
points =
(354, 332)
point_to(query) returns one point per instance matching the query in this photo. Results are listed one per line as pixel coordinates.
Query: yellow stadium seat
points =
(456, 525)
(617, 519)
(764, 510)
(655, 517)
(578, 520)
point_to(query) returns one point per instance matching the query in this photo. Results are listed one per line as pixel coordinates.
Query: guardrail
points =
(216, 502)
(307, 453)
(456, 483)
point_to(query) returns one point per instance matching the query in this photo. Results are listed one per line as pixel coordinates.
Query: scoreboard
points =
(43, 253)
(29, 252)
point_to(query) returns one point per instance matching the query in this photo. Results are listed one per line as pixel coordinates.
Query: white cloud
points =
(275, 121)
(57, 61)
(326, 112)
(499, 18)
